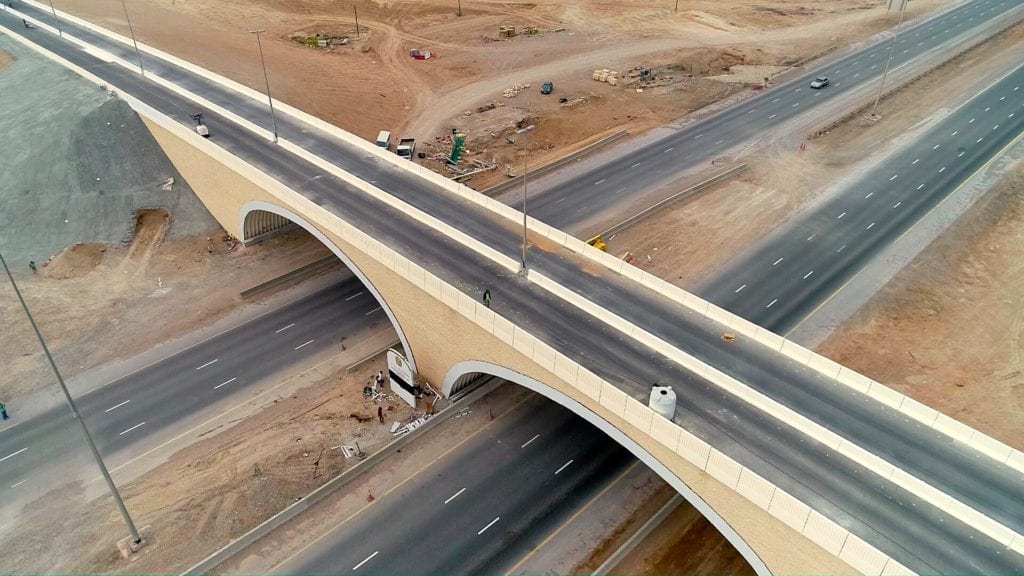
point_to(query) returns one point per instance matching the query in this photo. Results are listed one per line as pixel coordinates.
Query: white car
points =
(819, 82)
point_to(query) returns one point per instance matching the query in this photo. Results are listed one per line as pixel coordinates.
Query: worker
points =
(3, 411)
(487, 298)
(32, 265)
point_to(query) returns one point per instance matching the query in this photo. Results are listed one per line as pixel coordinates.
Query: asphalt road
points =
(879, 512)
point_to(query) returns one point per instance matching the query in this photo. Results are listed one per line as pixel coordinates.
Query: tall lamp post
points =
(526, 157)
(132, 32)
(888, 62)
(136, 538)
(266, 80)
(57, 20)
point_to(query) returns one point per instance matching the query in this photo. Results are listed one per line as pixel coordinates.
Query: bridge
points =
(804, 465)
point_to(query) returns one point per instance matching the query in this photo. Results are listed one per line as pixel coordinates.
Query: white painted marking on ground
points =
(620, 190)
(214, 361)
(535, 436)
(941, 170)
(776, 100)
(811, 237)
(772, 116)
(372, 311)
(919, 186)
(16, 484)
(955, 132)
(365, 560)
(1011, 115)
(116, 406)
(356, 295)
(916, 160)
(978, 141)
(564, 466)
(797, 90)
(492, 522)
(306, 343)
(1015, 88)
(669, 149)
(987, 109)
(1001, 98)
(454, 496)
(893, 177)
(960, 155)
(870, 226)
(995, 127)
(635, 165)
(132, 428)
(599, 181)
(907, 50)
(971, 121)
(841, 248)
(751, 111)
(772, 303)
(840, 216)
(795, 105)
(936, 147)
(897, 205)
(13, 454)
(869, 195)
(808, 275)
(697, 137)
(856, 75)
(740, 289)
(776, 263)
(225, 383)
(719, 142)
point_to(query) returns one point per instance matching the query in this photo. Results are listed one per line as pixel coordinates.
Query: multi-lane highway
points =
(836, 486)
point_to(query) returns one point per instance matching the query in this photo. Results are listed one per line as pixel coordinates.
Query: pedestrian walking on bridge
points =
(487, 298)
(3, 411)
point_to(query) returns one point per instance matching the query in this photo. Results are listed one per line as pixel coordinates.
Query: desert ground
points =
(216, 489)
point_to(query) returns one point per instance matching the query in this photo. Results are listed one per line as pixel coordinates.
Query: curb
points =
(551, 167)
(303, 272)
(242, 542)
(372, 356)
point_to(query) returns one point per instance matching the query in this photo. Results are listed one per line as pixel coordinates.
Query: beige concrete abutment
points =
(443, 344)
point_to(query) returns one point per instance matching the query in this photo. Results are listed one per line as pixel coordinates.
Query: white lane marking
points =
(774, 101)
(919, 186)
(214, 361)
(697, 137)
(960, 155)
(873, 66)
(772, 303)
(740, 289)
(987, 109)
(719, 142)
(132, 428)
(870, 194)
(620, 190)
(13, 454)
(808, 275)
(564, 466)
(978, 141)
(776, 263)
(116, 406)
(855, 63)
(772, 116)
(841, 248)
(307, 343)
(870, 226)
(936, 147)
(893, 177)
(856, 75)
(795, 105)
(372, 311)
(454, 496)
(669, 149)
(916, 160)
(971, 121)
(811, 237)
(941, 170)
(365, 560)
(356, 295)
(907, 50)
(955, 132)
(635, 165)
(1001, 98)
(527, 443)
(225, 383)
(491, 523)
(1015, 88)
(995, 127)
(897, 205)
(840, 216)
(599, 181)
(797, 90)
(16, 484)
(1011, 115)
(279, 330)
(751, 111)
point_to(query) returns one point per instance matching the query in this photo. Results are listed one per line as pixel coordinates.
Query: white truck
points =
(406, 147)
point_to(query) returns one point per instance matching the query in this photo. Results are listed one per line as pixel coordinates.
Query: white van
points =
(384, 139)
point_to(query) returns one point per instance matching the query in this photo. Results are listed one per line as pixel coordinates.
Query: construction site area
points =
(488, 89)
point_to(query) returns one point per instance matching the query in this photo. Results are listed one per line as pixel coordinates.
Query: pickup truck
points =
(406, 147)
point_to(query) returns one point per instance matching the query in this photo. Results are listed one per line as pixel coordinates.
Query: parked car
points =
(819, 82)
(546, 88)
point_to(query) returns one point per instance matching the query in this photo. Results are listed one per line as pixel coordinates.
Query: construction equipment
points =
(405, 148)
(599, 243)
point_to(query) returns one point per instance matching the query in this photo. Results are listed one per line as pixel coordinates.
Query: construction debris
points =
(506, 31)
(515, 90)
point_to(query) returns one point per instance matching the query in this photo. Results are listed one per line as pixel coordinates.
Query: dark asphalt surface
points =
(882, 514)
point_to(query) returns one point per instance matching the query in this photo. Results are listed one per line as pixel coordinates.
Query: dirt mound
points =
(151, 227)
(5, 59)
(74, 261)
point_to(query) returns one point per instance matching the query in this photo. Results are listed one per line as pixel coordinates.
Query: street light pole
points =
(270, 100)
(526, 158)
(136, 538)
(892, 48)
(55, 19)
(131, 31)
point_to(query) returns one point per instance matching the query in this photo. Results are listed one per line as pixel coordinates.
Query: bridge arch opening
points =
(461, 377)
(263, 220)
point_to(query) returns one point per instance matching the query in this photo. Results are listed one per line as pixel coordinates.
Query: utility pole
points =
(136, 538)
(677, 5)
(55, 19)
(131, 31)
(526, 157)
(888, 62)
(460, 7)
(266, 80)
(355, 11)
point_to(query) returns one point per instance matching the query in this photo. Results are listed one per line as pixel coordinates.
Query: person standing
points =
(380, 413)
(3, 411)
(487, 298)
